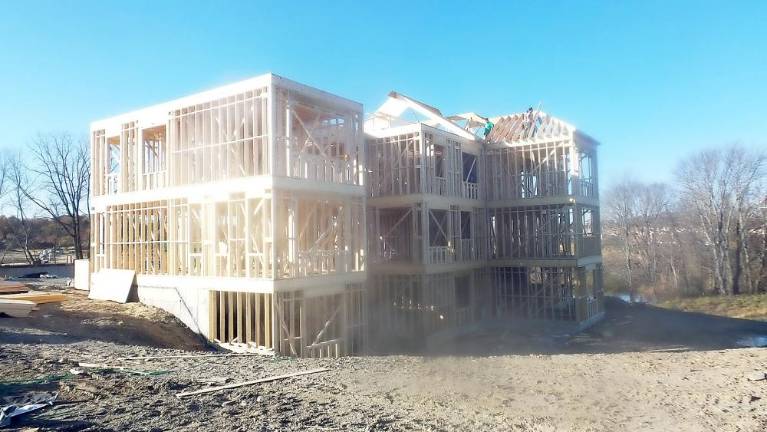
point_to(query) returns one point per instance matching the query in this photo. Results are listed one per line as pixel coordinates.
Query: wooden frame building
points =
(242, 212)
(544, 257)
(466, 226)
(267, 216)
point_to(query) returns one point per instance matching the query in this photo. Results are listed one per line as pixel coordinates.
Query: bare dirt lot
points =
(642, 368)
(82, 319)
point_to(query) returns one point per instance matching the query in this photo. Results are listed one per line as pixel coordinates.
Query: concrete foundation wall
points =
(189, 305)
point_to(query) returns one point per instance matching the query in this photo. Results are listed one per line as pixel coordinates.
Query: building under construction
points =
(270, 216)
(475, 219)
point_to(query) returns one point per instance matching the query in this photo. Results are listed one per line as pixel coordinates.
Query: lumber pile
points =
(16, 308)
(36, 297)
(21, 304)
(11, 287)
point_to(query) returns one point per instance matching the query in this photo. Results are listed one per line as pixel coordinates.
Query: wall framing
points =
(516, 210)
(242, 210)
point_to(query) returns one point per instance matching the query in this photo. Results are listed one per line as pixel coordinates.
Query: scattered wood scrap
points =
(247, 383)
(16, 308)
(36, 297)
(189, 356)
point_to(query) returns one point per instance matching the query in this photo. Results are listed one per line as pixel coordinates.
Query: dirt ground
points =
(80, 319)
(642, 368)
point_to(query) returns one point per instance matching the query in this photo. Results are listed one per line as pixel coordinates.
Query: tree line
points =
(45, 188)
(704, 233)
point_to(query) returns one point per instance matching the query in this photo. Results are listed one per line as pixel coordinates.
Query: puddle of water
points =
(752, 341)
(627, 297)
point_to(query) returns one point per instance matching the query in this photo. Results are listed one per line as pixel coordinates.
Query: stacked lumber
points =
(36, 297)
(16, 308)
(11, 287)
(19, 305)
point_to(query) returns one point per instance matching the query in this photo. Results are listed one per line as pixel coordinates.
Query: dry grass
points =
(748, 306)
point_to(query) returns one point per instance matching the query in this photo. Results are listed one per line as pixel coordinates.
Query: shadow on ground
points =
(642, 327)
(625, 328)
(52, 324)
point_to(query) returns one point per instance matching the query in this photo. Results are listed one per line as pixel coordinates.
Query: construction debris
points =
(11, 411)
(247, 383)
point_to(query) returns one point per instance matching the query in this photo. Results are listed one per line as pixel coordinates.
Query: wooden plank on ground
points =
(36, 297)
(16, 308)
(246, 383)
(190, 356)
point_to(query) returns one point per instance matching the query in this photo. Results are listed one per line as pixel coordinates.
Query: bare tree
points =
(748, 185)
(720, 186)
(4, 166)
(19, 183)
(62, 179)
(651, 204)
(761, 260)
(638, 222)
(704, 182)
(675, 255)
(712, 235)
(621, 211)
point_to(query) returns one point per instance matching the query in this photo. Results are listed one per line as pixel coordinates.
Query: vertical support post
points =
(425, 233)
(213, 316)
(139, 159)
(575, 171)
(271, 103)
(347, 215)
(292, 234)
(425, 174)
(274, 318)
(288, 139)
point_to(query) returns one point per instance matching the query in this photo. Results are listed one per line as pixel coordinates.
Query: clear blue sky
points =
(652, 81)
